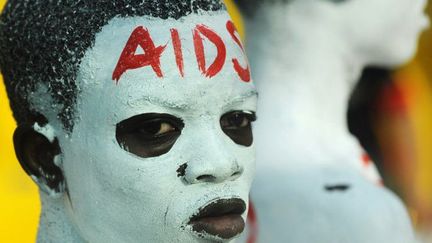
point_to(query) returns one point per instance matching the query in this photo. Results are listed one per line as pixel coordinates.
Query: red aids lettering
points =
(178, 50)
(128, 60)
(244, 73)
(219, 61)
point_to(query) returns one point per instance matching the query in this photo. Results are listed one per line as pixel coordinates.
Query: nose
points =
(213, 174)
(212, 163)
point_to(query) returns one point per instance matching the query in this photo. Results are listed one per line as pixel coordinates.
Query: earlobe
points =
(38, 154)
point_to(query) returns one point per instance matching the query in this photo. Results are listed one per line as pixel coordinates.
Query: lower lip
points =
(225, 227)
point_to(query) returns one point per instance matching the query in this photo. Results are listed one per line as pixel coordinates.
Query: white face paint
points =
(382, 32)
(119, 196)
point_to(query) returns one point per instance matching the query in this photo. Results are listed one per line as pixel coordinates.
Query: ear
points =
(38, 152)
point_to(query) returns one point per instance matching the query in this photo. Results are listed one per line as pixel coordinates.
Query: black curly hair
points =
(248, 7)
(43, 42)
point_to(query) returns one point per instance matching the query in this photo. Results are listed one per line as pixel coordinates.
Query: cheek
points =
(97, 163)
(109, 187)
(246, 157)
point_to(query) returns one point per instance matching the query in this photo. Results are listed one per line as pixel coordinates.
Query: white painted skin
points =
(116, 196)
(306, 57)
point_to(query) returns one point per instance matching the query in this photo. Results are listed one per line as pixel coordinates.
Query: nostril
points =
(206, 178)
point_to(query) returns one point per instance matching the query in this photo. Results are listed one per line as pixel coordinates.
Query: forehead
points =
(187, 62)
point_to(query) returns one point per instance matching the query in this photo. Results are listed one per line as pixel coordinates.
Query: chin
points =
(403, 57)
(397, 55)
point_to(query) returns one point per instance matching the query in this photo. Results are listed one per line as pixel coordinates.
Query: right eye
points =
(149, 135)
(237, 126)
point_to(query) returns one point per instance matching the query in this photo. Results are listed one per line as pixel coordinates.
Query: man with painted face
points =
(134, 118)
(314, 181)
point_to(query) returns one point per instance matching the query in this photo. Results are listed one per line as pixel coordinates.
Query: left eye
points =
(150, 134)
(237, 126)
(156, 128)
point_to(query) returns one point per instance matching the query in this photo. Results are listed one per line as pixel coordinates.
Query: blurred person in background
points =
(306, 57)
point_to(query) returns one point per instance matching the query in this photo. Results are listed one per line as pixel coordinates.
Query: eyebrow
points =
(161, 102)
(181, 105)
(243, 97)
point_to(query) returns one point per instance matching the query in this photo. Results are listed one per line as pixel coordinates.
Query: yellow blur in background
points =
(19, 200)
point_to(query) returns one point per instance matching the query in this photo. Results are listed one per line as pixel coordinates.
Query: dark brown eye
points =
(237, 126)
(149, 135)
(156, 127)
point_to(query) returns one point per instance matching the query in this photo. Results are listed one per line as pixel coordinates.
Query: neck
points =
(55, 225)
(304, 67)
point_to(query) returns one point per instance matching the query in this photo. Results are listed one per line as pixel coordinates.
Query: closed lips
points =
(221, 218)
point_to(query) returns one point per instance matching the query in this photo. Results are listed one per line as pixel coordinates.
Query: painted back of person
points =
(315, 183)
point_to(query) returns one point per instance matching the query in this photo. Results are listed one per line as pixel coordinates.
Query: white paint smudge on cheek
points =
(48, 131)
(58, 160)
